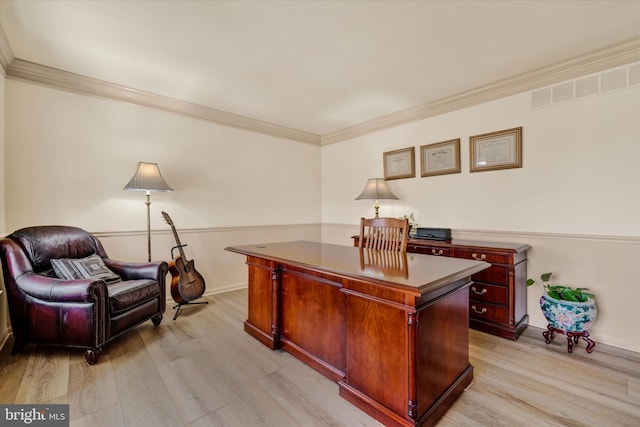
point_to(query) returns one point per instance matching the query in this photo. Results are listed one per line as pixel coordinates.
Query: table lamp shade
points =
(376, 189)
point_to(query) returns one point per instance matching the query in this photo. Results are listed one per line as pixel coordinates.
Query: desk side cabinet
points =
(498, 295)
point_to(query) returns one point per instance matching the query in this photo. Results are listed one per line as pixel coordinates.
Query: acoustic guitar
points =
(186, 283)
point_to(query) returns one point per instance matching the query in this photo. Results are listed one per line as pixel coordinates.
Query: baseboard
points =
(5, 337)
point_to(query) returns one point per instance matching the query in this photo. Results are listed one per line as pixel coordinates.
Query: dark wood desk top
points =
(424, 273)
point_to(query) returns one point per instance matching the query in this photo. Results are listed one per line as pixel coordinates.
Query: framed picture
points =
(496, 150)
(400, 163)
(440, 158)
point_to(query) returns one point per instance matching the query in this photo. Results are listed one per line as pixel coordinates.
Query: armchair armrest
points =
(156, 270)
(59, 290)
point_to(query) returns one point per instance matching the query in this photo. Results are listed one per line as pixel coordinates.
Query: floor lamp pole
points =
(148, 203)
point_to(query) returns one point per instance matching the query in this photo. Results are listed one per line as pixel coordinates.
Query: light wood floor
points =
(203, 370)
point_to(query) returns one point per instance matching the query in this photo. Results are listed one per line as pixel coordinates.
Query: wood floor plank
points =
(46, 376)
(111, 416)
(308, 397)
(162, 343)
(193, 397)
(203, 370)
(91, 388)
(144, 399)
(209, 420)
(577, 379)
(191, 322)
(12, 370)
(247, 404)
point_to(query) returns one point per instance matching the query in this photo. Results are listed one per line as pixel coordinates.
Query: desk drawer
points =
(429, 250)
(491, 257)
(494, 274)
(488, 293)
(488, 312)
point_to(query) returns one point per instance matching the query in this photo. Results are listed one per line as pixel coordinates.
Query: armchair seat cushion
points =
(130, 293)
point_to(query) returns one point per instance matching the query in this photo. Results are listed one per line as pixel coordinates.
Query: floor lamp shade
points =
(376, 189)
(148, 178)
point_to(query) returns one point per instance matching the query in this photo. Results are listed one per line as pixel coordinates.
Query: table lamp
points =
(376, 189)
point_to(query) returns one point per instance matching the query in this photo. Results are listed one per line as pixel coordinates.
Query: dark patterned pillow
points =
(91, 267)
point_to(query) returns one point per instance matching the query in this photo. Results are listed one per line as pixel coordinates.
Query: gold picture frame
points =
(496, 150)
(441, 158)
(399, 164)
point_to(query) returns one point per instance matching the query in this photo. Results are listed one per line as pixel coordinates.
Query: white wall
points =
(576, 200)
(69, 156)
(580, 169)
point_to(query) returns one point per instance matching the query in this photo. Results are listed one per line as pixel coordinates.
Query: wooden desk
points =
(392, 332)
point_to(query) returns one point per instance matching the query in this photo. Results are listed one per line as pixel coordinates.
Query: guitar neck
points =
(167, 218)
(175, 235)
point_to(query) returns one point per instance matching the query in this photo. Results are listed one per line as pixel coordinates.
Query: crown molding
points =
(602, 59)
(616, 55)
(59, 79)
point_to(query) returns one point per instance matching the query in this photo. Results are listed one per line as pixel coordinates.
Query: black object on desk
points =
(433, 233)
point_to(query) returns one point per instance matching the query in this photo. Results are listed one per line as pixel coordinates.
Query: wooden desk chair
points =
(384, 234)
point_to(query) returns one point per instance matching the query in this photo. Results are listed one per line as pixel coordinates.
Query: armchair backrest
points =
(41, 244)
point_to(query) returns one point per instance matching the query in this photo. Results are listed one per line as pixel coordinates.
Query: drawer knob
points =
(483, 311)
(438, 252)
(484, 290)
(482, 257)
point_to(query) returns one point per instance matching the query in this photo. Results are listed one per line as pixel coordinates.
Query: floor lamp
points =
(375, 189)
(148, 178)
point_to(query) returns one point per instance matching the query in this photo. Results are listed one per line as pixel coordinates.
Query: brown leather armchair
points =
(85, 312)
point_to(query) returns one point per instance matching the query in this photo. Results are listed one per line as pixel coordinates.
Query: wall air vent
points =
(563, 92)
(587, 86)
(594, 84)
(611, 80)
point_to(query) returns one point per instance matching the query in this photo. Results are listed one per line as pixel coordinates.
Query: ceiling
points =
(314, 66)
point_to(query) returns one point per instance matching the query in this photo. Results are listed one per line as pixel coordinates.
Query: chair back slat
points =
(389, 234)
(389, 263)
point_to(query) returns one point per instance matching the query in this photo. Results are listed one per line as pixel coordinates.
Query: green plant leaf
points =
(553, 294)
(545, 277)
(562, 292)
(569, 295)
